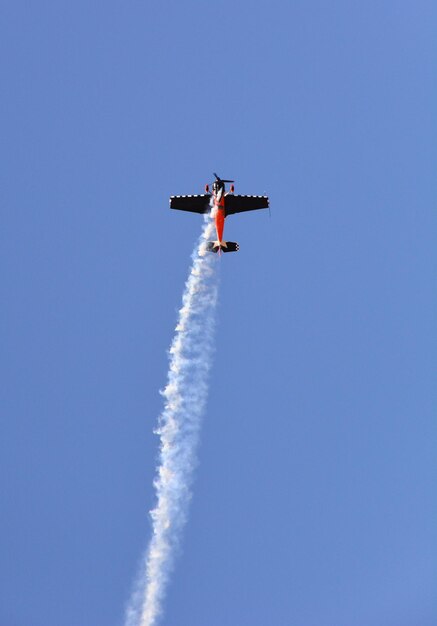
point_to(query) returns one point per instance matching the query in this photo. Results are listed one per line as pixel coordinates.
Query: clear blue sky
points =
(315, 498)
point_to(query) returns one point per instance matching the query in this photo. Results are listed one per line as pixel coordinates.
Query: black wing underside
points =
(239, 204)
(194, 204)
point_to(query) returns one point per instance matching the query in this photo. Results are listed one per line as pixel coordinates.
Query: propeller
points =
(223, 180)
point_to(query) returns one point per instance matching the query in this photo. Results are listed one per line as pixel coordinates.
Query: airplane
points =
(220, 204)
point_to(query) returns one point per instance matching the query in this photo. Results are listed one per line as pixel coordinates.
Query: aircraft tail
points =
(222, 246)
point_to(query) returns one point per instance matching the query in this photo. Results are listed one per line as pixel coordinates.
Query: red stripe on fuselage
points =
(219, 216)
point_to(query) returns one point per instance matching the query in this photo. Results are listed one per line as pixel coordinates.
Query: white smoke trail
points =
(178, 427)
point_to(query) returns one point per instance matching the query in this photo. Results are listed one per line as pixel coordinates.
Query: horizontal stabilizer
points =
(224, 246)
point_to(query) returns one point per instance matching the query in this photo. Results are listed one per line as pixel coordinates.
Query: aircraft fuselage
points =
(218, 212)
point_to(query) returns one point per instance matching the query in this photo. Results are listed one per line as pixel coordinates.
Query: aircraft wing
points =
(195, 204)
(238, 204)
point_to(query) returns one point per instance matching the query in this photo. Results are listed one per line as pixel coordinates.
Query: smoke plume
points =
(185, 398)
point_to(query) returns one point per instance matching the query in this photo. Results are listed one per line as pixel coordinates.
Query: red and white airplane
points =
(220, 204)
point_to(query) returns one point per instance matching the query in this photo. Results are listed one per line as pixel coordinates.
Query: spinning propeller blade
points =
(223, 180)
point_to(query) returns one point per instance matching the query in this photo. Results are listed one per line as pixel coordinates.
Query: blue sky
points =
(314, 502)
